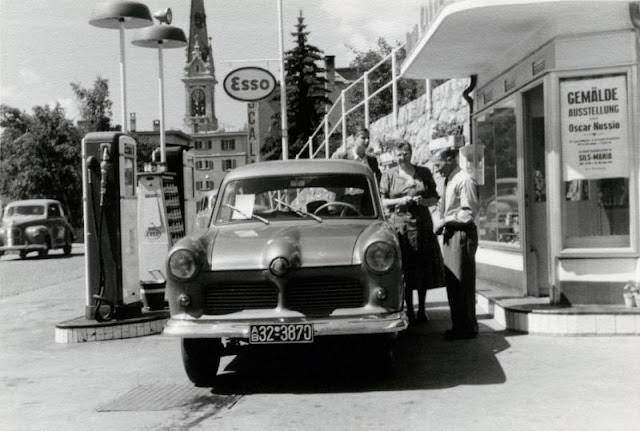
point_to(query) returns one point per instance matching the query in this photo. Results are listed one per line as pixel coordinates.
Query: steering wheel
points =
(343, 204)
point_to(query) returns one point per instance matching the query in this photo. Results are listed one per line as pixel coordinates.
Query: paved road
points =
(499, 381)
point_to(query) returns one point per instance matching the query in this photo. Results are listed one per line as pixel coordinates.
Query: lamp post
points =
(121, 15)
(283, 89)
(161, 36)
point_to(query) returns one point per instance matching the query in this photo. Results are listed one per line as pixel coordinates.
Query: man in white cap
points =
(455, 222)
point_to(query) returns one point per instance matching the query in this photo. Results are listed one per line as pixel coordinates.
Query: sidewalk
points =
(535, 315)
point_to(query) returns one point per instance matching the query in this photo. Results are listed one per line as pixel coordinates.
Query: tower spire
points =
(199, 76)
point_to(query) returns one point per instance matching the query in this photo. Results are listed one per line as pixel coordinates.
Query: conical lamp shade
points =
(166, 35)
(112, 14)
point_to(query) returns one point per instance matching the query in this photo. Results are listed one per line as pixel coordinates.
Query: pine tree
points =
(306, 95)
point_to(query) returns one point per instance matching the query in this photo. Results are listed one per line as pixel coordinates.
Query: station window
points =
(228, 144)
(228, 164)
(595, 138)
(204, 185)
(498, 219)
(204, 164)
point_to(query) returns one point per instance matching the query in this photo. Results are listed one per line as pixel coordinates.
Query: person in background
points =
(407, 191)
(455, 222)
(358, 152)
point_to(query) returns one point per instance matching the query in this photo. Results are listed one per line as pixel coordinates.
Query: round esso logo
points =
(249, 84)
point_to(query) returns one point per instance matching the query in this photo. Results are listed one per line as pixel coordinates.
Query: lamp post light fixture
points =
(121, 15)
(161, 36)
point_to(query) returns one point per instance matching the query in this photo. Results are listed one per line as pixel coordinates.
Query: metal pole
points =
(310, 141)
(394, 85)
(427, 85)
(283, 89)
(326, 137)
(344, 122)
(163, 155)
(123, 81)
(366, 99)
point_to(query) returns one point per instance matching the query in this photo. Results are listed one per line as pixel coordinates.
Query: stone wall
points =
(416, 120)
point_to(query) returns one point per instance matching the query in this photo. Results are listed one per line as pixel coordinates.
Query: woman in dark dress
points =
(407, 193)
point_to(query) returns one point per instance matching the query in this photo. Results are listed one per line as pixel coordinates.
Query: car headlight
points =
(380, 256)
(182, 264)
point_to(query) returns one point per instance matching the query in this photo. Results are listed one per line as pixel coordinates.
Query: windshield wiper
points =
(257, 217)
(298, 211)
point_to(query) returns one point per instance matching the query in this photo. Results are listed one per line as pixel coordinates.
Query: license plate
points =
(281, 333)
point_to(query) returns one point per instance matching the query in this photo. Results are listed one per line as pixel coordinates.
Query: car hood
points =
(245, 247)
(22, 220)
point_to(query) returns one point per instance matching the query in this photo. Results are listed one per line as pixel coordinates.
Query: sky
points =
(47, 44)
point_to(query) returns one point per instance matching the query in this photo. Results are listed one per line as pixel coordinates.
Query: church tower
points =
(199, 75)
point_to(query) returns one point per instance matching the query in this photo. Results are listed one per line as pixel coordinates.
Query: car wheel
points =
(68, 245)
(201, 358)
(23, 254)
(45, 252)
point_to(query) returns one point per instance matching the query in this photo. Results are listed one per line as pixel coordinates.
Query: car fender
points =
(38, 234)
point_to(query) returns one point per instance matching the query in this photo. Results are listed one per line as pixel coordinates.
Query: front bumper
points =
(24, 247)
(187, 327)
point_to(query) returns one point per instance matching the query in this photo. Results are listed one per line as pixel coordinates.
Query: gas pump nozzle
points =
(105, 167)
(93, 166)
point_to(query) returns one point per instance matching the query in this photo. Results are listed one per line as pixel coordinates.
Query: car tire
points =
(45, 252)
(201, 358)
(23, 254)
(67, 248)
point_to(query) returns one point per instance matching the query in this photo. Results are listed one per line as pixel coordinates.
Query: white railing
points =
(428, 14)
(325, 126)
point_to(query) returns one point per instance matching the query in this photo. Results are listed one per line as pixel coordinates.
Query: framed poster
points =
(594, 124)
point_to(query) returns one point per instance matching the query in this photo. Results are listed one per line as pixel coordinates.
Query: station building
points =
(553, 138)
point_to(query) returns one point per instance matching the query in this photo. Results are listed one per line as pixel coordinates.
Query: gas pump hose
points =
(99, 297)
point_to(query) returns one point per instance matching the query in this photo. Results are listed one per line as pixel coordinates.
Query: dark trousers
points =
(459, 250)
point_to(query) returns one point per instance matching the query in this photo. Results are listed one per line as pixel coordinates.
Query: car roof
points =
(298, 167)
(33, 202)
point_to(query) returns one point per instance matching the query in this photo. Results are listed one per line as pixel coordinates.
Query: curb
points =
(538, 317)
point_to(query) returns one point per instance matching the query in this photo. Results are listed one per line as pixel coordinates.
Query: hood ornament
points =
(279, 266)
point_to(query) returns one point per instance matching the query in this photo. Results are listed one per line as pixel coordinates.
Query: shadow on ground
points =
(422, 360)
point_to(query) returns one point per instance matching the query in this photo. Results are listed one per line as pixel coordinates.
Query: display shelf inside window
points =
(175, 222)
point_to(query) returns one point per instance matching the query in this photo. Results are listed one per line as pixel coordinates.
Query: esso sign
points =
(249, 84)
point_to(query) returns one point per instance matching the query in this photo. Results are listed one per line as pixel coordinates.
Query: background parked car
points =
(36, 225)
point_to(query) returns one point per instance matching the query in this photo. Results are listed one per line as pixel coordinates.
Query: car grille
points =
(318, 296)
(321, 296)
(229, 298)
(15, 237)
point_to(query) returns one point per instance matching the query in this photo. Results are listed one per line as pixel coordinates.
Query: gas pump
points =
(110, 226)
(181, 163)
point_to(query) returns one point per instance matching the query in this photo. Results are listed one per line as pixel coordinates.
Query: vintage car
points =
(295, 251)
(35, 225)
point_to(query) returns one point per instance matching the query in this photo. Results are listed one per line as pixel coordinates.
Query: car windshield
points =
(24, 210)
(315, 197)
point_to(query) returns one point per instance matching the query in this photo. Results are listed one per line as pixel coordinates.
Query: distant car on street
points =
(35, 225)
(295, 251)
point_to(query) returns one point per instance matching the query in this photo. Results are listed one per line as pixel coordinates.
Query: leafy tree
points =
(382, 104)
(94, 105)
(306, 96)
(40, 157)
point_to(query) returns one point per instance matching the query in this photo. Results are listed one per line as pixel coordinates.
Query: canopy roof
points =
(468, 34)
